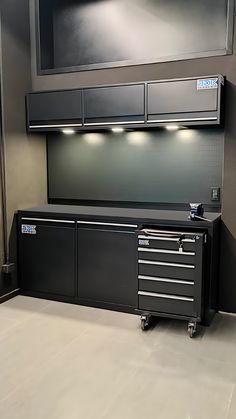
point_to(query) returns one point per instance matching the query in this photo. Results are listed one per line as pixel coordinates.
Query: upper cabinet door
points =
(114, 105)
(54, 110)
(184, 101)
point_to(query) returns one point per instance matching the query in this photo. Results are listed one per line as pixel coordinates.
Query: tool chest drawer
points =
(166, 270)
(166, 286)
(183, 306)
(164, 255)
(166, 241)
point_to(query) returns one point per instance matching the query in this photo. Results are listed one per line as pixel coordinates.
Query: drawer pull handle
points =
(207, 118)
(48, 220)
(97, 223)
(93, 124)
(169, 252)
(166, 239)
(175, 265)
(166, 233)
(169, 281)
(55, 126)
(166, 296)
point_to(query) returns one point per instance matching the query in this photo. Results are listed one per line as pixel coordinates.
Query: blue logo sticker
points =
(28, 229)
(206, 84)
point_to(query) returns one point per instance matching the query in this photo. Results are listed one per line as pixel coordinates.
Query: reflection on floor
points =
(60, 361)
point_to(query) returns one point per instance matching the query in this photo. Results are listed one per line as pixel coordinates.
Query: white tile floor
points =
(59, 361)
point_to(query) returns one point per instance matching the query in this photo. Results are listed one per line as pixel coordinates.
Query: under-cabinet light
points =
(117, 129)
(68, 131)
(172, 127)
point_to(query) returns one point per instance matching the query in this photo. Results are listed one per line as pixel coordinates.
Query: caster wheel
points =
(144, 323)
(192, 330)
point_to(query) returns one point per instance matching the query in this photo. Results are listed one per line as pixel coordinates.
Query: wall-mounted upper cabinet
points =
(195, 101)
(51, 111)
(188, 102)
(114, 105)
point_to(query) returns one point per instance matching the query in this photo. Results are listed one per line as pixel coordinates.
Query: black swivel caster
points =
(192, 329)
(145, 320)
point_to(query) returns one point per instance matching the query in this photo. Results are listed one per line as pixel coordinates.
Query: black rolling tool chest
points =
(171, 275)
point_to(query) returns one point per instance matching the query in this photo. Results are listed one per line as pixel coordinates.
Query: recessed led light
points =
(68, 131)
(172, 127)
(117, 129)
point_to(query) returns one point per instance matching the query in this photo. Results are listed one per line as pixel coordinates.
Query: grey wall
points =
(25, 155)
(206, 66)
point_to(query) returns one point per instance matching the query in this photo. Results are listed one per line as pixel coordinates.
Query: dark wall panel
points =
(133, 166)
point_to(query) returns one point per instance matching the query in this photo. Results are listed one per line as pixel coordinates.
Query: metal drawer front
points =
(166, 304)
(166, 270)
(165, 243)
(166, 255)
(166, 286)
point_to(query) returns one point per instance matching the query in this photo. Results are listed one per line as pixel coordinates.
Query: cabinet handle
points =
(165, 233)
(169, 281)
(47, 220)
(169, 252)
(208, 118)
(55, 126)
(107, 224)
(169, 239)
(87, 124)
(176, 265)
(166, 296)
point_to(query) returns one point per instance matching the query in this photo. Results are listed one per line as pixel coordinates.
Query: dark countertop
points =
(123, 214)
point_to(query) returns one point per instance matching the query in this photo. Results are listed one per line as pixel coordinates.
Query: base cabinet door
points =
(47, 258)
(107, 266)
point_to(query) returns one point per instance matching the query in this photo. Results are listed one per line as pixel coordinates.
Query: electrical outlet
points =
(215, 194)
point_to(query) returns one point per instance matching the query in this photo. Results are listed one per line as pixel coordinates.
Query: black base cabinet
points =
(47, 257)
(107, 265)
(122, 260)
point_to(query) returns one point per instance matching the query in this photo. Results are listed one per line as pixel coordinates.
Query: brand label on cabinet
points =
(143, 242)
(28, 229)
(206, 84)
